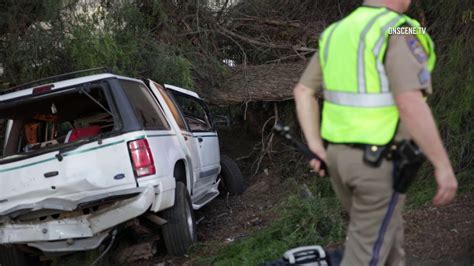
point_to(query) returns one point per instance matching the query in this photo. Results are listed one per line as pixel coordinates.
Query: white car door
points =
(204, 135)
(187, 135)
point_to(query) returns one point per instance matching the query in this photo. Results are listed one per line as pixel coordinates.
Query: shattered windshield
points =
(49, 121)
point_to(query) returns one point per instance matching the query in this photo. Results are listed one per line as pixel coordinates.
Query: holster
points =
(406, 156)
(373, 154)
(407, 159)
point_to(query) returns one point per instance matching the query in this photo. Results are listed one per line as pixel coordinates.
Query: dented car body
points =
(85, 155)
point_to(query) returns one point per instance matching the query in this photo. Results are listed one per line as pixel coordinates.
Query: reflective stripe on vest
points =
(359, 99)
(378, 47)
(361, 52)
(331, 31)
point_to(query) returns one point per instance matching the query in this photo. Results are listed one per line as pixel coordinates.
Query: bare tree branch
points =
(264, 44)
(268, 21)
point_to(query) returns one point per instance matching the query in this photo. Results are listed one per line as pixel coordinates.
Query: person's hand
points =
(316, 164)
(447, 185)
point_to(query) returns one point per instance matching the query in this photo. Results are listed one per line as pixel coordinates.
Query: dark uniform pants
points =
(375, 232)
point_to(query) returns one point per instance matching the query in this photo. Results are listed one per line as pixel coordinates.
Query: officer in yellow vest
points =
(374, 83)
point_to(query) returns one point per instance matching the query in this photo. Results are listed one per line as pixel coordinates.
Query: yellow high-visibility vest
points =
(358, 104)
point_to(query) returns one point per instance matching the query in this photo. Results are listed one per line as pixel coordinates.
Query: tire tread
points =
(175, 234)
(232, 177)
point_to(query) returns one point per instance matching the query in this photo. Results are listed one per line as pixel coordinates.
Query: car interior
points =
(58, 119)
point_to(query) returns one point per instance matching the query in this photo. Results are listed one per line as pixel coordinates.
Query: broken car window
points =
(145, 107)
(194, 112)
(48, 121)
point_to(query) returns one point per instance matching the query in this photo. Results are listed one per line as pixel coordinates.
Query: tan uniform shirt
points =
(405, 71)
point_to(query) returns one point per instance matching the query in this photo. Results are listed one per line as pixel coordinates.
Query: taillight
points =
(142, 159)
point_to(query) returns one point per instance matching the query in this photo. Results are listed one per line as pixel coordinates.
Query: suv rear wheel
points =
(232, 179)
(179, 233)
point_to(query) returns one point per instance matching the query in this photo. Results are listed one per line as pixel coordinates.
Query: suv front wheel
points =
(179, 233)
(232, 179)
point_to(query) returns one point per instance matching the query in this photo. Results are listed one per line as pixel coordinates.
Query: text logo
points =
(406, 30)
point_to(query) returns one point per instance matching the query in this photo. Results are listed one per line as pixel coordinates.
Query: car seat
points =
(79, 133)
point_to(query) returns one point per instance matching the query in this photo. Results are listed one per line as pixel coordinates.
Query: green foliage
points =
(124, 44)
(31, 56)
(453, 82)
(303, 221)
(28, 47)
(17, 15)
(165, 66)
(423, 189)
(453, 98)
(453, 101)
(116, 37)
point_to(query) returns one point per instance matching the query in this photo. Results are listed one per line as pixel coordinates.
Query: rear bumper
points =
(76, 231)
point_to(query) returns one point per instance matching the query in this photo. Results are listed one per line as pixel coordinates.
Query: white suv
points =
(84, 155)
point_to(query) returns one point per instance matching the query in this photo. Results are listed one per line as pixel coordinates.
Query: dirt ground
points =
(434, 236)
(441, 236)
(230, 218)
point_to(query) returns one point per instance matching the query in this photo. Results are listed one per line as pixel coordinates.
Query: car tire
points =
(179, 233)
(232, 179)
(11, 256)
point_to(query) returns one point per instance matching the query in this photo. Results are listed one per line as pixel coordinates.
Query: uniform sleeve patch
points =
(424, 76)
(416, 49)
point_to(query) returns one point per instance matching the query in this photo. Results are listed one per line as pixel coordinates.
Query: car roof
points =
(181, 90)
(60, 84)
(27, 91)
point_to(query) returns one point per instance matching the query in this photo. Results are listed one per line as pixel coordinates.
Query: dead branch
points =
(267, 141)
(274, 22)
(225, 31)
(263, 149)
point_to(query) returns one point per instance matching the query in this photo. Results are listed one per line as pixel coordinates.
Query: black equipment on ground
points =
(304, 256)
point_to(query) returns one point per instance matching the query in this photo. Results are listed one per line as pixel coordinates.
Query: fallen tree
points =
(268, 83)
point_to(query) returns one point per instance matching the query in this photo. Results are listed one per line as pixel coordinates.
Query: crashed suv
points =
(84, 156)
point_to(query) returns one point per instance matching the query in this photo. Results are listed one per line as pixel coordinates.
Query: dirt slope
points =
(433, 236)
(441, 236)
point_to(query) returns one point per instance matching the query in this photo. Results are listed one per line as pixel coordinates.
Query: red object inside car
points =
(80, 133)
